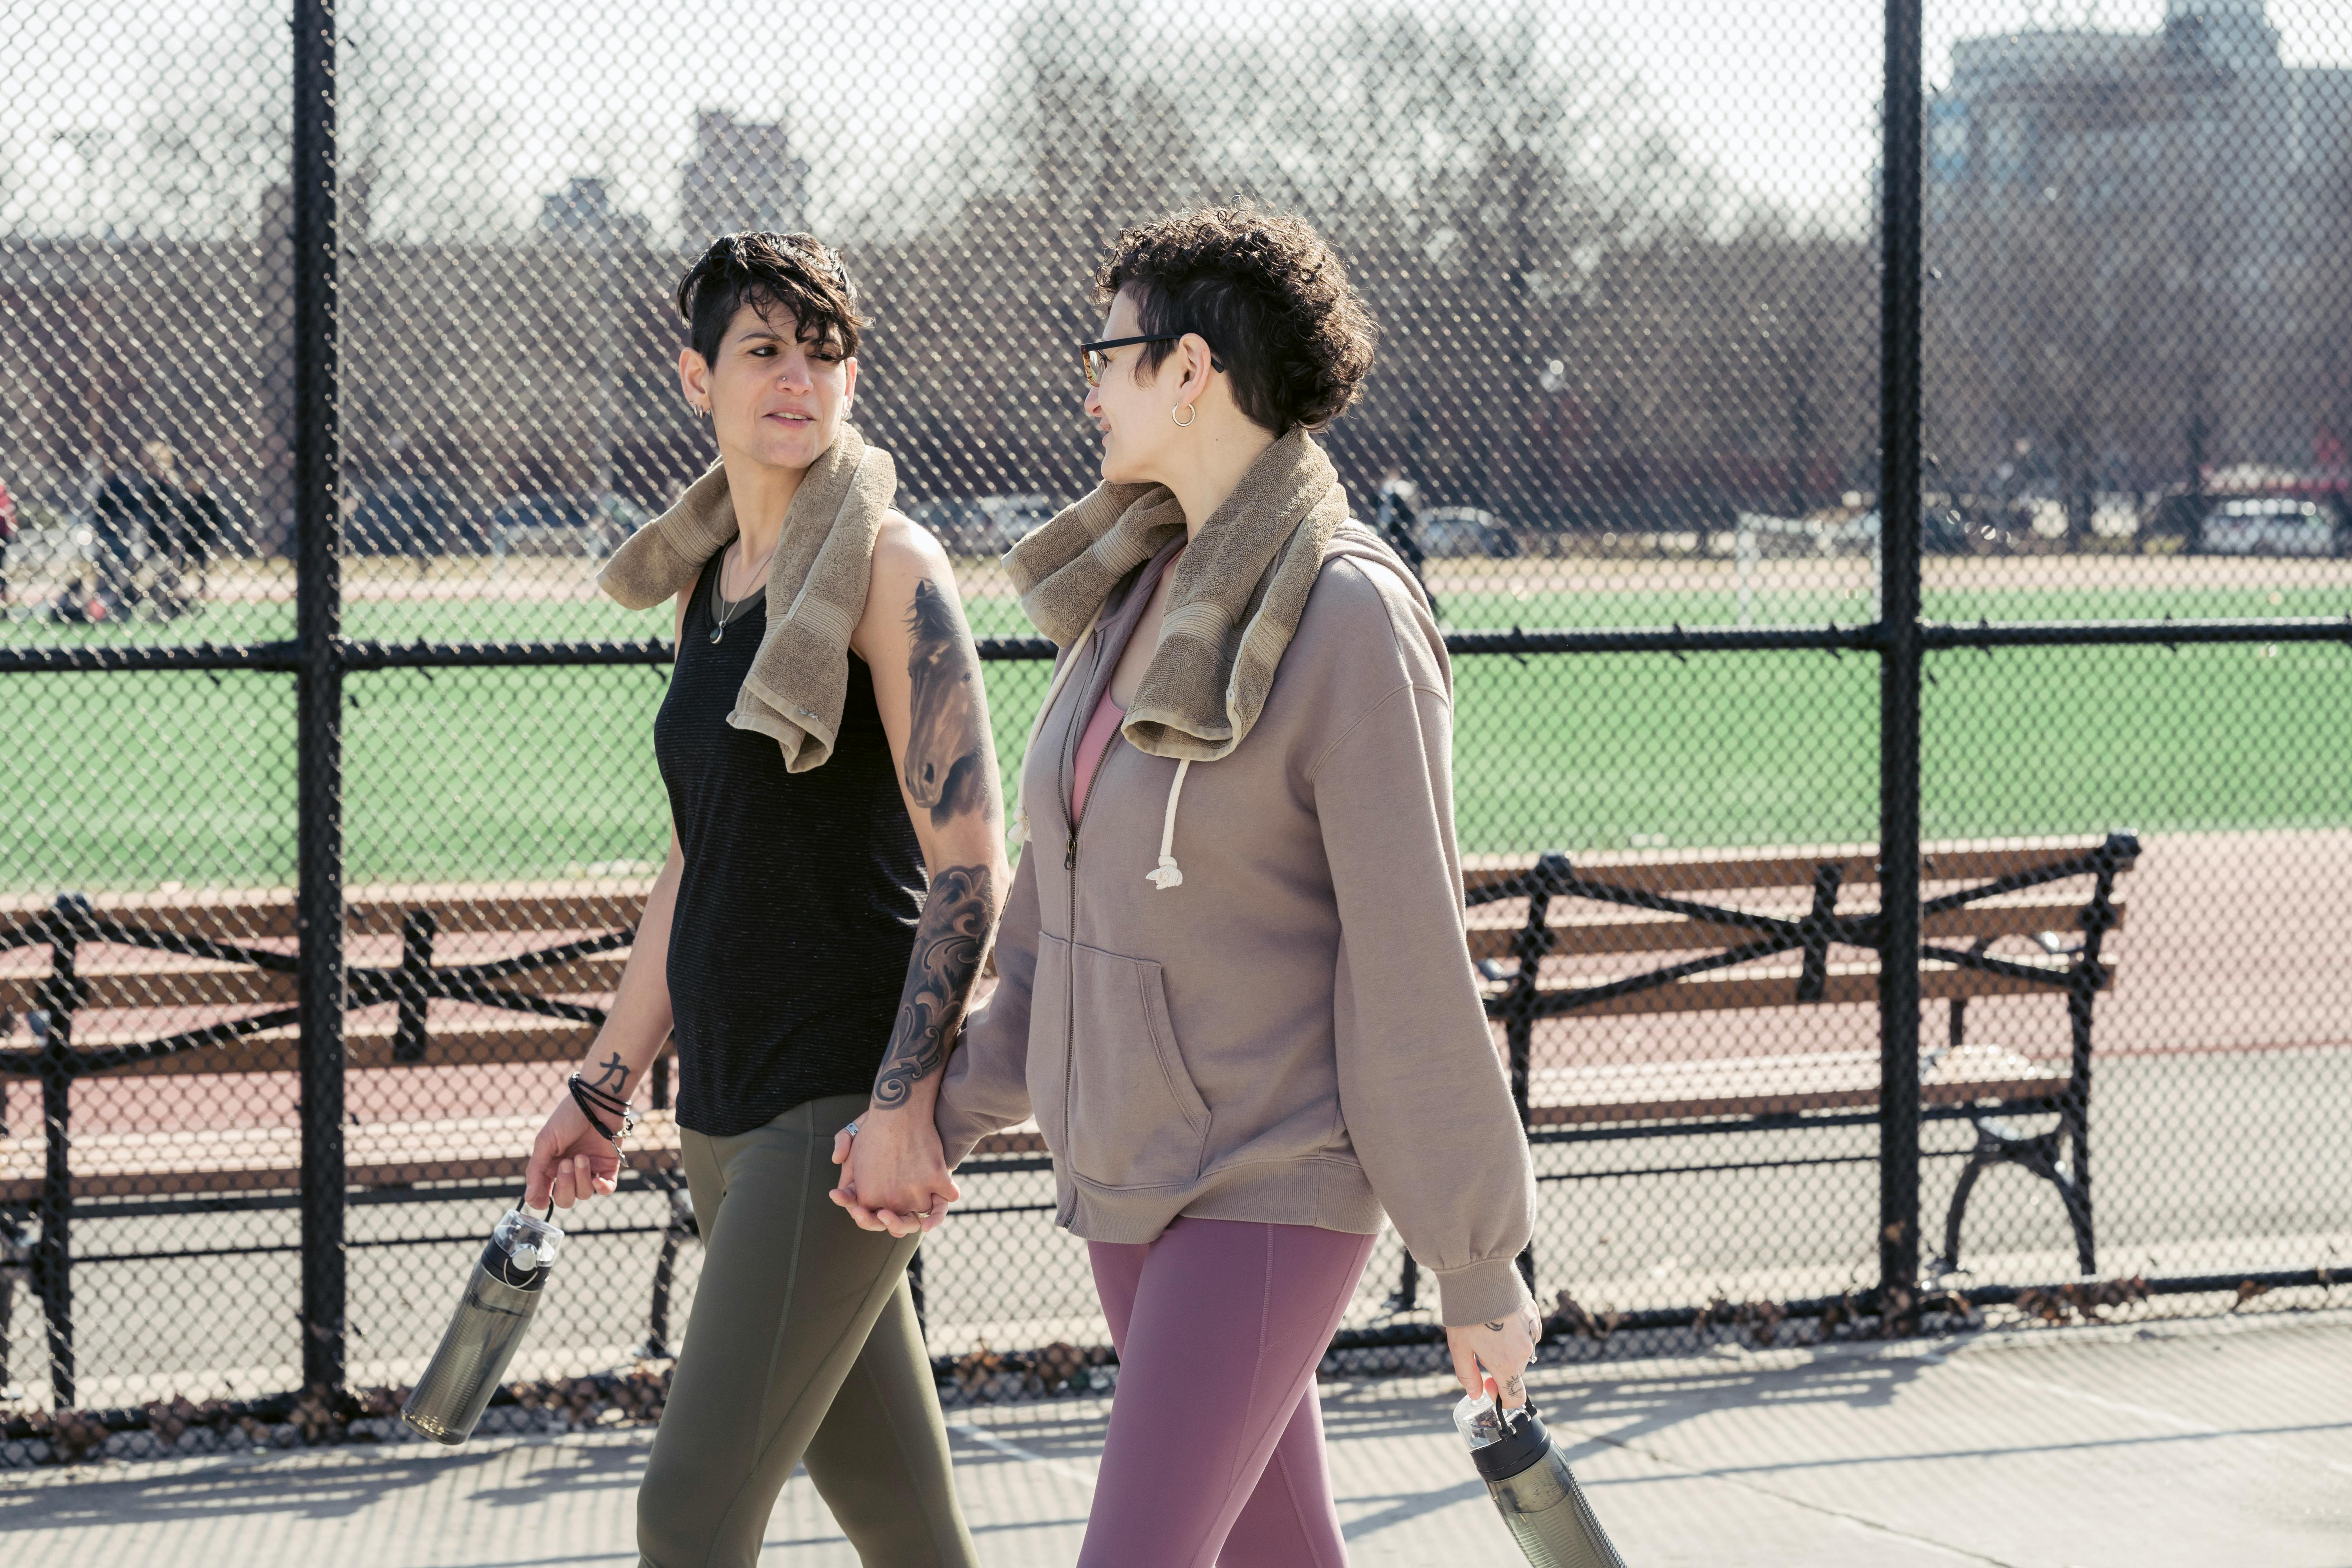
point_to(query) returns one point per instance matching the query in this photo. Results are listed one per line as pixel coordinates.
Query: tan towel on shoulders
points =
(1240, 590)
(816, 586)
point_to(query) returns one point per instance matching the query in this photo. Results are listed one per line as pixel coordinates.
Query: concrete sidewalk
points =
(2206, 1443)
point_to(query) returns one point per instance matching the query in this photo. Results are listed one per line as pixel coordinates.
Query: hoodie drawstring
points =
(1168, 874)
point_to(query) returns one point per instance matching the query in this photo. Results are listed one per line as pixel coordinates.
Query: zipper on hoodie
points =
(1070, 865)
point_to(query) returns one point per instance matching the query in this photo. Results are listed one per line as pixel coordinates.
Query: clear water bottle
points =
(1532, 1487)
(499, 1298)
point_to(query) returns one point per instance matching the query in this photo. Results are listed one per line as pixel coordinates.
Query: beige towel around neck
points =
(817, 580)
(1240, 590)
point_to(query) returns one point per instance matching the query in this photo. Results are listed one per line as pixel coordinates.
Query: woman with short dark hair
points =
(835, 861)
(1234, 989)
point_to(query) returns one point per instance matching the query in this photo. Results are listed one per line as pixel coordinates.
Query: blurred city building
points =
(2138, 240)
(743, 175)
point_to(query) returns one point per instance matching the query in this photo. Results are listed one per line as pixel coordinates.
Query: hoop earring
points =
(1190, 414)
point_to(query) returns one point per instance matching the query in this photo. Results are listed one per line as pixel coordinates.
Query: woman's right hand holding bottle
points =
(1491, 1357)
(570, 1160)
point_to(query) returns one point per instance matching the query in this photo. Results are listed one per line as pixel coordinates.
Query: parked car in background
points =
(984, 525)
(957, 525)
(2270, 525)
(1466, 531)
(409, 517)
(563, 523)
(1012, 519)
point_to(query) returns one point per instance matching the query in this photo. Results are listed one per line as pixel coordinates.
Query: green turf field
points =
(125, 781)
(997, 614)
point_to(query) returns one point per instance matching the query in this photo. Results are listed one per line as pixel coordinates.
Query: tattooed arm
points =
(926, 683)
(948, 942)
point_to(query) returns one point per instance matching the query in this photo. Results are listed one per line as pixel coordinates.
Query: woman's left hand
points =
(893, 1175)
(1491, 1357)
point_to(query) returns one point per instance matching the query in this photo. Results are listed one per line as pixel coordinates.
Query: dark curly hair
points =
(1267, 294)
(798, 272)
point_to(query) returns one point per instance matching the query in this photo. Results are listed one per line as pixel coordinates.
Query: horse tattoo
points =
(945, 740)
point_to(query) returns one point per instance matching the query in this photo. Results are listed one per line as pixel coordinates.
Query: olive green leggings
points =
(802, 1347)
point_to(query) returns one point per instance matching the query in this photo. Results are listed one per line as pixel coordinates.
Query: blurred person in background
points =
(1396, 520)
(152, 537)
(7, 535)
(835, 863)
(1233, 988)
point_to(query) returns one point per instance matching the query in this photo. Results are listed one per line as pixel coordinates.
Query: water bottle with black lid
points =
(1531, 1486)
(500, 1297)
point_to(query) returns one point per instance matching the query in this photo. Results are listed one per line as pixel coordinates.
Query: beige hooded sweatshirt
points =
(1289, 1031)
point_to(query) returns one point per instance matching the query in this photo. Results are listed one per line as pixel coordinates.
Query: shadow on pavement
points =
(319, 1484)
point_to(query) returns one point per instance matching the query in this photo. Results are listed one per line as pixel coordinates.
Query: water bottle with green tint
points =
(499, 1298)
(1532, 1487)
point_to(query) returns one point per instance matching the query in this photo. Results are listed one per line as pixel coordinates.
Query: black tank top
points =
(796, 912)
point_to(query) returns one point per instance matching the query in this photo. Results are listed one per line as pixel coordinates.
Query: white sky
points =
(1778, 95)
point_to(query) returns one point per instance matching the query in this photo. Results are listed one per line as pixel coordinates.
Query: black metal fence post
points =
(417, 928)
(52, 1255)
(319, 692)
(1901, 653)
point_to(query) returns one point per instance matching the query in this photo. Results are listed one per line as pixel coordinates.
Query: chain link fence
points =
(335, 357)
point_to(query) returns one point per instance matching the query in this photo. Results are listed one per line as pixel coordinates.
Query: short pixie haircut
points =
(795, 272)
(1268, 295)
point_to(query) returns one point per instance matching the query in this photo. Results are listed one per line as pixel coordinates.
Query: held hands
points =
(1489, 1358)
(570, 1161)
(893, 1177)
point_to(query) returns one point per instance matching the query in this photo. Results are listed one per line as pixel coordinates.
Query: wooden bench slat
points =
(255, 914)
(491, 907)
(165, 980)
(366, 1046)
(1776, 986)
(265, 1159)
(1719, 1087)
(1767, 1086)
(1493, 929)
(1664, 871)
(1025, 1139)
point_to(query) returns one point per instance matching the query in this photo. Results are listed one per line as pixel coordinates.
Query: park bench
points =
(1529, 918)
(1545, 932)
(221, 965)
(224, 962)
(1534, 920)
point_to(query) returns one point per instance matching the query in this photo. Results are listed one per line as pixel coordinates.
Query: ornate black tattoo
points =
(615, 1075)
(948, 942)
(947, 763)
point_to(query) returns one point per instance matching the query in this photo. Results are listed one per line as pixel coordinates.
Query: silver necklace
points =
(723, 610)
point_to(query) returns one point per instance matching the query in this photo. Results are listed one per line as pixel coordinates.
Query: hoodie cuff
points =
(957, 1134)
(1480, 1293)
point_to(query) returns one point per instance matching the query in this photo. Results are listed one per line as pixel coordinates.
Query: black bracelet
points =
(592, 1099)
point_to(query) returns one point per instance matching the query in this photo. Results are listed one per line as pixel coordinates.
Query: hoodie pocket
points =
(1134, 1118)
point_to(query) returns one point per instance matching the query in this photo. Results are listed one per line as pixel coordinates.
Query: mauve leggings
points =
(1215, 1448)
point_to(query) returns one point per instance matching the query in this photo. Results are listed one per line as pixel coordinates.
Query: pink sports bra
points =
(1102, 729)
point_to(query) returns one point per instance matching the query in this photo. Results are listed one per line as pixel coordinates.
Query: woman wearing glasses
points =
(1234, 989)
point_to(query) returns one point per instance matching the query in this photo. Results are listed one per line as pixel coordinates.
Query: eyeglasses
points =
(1095, 358)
